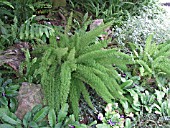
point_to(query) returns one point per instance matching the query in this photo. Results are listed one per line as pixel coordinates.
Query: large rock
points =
(29, 96)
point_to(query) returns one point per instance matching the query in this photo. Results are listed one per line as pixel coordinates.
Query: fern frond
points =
(145, 65)
(87, 39)
(75, 96)
(71, 55)
(69, 23)
(30, 30)
(85, 74)
(162, 63)
(147, 47)
(93, 47)
(163, 51)
(65, 76)
(98, 54)
(85, 93)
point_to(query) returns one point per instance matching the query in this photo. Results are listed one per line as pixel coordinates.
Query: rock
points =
(96, 23)
(29, 96)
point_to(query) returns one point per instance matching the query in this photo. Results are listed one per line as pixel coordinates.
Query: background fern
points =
(154, 59)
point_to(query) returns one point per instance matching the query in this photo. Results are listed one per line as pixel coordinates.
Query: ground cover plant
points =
(114, 74)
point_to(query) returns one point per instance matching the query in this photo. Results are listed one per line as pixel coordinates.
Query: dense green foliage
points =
(124, 62)
(37, 118)
(153, 58)
(68, 64)
(8, 93)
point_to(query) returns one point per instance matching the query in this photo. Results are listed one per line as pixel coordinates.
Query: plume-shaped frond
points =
(147, 47)
(94, 47)
(162, 63)
(105, 75)
(71, 55)
(85, 74)
(65, 77)
(98, 54)
(75, 96)
(69, 23)
(85, 93)
(164, 51)
(87, 39)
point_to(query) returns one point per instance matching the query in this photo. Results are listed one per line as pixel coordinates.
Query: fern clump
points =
(66, 65)
(154, 59)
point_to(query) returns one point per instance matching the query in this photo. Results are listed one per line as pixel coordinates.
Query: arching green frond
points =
(144, 64)
(86, 39)
(93, 47)
(147, 47)
(53, 42)
(64, 41)
(85, 74)
(65, 77)
(98, 54)
(71, 55)
(69, 23)
(85, 93)
(75, 97)
(164, 50)
(162, 63)
(30, 30)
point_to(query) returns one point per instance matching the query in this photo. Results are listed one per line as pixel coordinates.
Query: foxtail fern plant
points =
(66, 65)
(154, 59)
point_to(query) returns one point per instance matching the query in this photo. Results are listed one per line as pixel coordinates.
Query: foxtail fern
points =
(68, 64)
(154, 58)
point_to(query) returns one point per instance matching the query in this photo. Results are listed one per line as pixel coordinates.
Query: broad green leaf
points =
(27, 118)
(160, 95)
(6, 126)
(36, 108)
(36, 30)
(32, 32)
(41, 114)
(135, 97)
(11, 93)
(8, 4)
(13, 104)
(3, 100)
(125, 106)
(40, 32)
(126, 84)
(33, 124)
(52, 117)
(14, 87)
(10, 120)
(58, 125)
(103, 126)
(7, 82)
(46, 32)
(142, 70)
(3, 111)
(128, 123)
(22, 34)
(27, 30)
